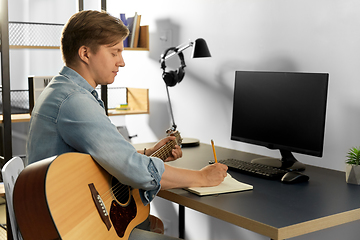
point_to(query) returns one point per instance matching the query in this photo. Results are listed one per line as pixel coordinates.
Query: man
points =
(69, 116)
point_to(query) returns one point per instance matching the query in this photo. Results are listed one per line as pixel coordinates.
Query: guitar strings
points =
(119, 190)
(166, 150)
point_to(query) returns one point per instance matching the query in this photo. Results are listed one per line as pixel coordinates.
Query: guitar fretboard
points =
(165, 151)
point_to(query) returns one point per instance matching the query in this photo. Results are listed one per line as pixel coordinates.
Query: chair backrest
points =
(10, 172)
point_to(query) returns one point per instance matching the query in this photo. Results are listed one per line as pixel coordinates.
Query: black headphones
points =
(173, 77)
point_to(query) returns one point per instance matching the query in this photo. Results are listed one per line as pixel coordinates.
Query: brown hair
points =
(92, 29)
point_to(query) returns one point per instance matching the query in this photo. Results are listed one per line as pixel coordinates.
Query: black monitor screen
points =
(280, 110)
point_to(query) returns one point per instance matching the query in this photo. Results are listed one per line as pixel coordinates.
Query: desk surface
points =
(272, 208)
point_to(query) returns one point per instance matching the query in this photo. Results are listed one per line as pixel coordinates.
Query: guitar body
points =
(56, 199)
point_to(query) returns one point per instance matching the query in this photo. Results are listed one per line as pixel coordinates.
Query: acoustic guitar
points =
(72, 197)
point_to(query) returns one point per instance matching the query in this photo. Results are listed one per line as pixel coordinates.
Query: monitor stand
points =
(287, 161)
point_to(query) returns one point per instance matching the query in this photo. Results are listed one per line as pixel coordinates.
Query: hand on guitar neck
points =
(168, 149)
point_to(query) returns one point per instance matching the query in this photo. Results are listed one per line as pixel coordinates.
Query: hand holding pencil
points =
(214, 173)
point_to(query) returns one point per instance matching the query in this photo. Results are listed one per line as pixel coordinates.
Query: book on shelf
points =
(136, 31)
(122, 107)
(132, 29)
(125, 21)
(133, 24)
(130, 21)
(229, 184)
(144, 36)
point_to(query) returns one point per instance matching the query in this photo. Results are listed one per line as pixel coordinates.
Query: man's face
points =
(105, 63)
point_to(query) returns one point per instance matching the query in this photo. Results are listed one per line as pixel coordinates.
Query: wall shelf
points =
(31, 35)
(137, 98)
(23, 117)
(34, 35)
(136, 49)
(34, 47)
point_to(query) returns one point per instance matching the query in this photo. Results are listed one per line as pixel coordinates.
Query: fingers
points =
(223, 170)
(216, 173)
(221, 167)
(169, 138)
(176, 153)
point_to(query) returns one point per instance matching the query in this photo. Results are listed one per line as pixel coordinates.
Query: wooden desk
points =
(25, 117)
(272, 208)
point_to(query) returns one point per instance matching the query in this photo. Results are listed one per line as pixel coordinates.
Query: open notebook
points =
(228, 185)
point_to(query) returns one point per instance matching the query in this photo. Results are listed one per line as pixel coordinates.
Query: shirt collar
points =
(96, 95)
(79, 80)
(76, 78)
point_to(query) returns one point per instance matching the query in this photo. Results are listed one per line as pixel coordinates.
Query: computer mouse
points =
(294, 177)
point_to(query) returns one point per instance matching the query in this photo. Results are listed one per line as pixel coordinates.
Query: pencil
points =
(213, 147)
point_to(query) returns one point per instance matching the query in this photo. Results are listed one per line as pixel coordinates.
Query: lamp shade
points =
(200, 49)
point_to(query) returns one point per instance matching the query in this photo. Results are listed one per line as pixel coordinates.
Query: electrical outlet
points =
(165, 37)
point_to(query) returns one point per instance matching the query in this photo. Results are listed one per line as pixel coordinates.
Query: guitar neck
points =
(165, 151)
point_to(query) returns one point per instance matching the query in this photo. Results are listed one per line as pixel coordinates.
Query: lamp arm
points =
(179, 49)
(171, 112)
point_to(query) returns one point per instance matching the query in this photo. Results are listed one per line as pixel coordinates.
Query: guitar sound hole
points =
(121, 192)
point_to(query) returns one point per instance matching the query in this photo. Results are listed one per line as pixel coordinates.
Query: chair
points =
(10, 172)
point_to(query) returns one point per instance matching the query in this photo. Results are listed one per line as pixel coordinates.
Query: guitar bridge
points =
(100, 206)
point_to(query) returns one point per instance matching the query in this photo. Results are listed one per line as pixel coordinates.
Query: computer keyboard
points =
(255, 169)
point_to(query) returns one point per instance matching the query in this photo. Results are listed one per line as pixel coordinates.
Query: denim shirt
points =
(69, 117)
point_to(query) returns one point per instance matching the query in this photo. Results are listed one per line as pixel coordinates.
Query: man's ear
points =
(84, 53)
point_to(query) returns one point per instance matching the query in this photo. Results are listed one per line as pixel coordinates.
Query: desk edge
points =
(319, 224)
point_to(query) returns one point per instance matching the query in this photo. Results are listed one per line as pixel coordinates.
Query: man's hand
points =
(213, 174)
(175, 153)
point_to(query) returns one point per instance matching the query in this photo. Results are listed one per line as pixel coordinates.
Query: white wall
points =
(278, 35)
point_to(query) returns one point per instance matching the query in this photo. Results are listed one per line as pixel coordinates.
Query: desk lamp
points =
(171, 78)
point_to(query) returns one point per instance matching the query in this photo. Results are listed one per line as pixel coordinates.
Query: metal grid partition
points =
(19, 101)
(26, 34)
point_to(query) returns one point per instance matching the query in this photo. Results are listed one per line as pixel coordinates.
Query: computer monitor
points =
(281, 110)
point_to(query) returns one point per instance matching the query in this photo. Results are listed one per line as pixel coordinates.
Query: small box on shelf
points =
(137, 103)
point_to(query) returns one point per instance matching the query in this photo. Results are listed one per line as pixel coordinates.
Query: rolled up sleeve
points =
(149, 195)
(90, 131)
